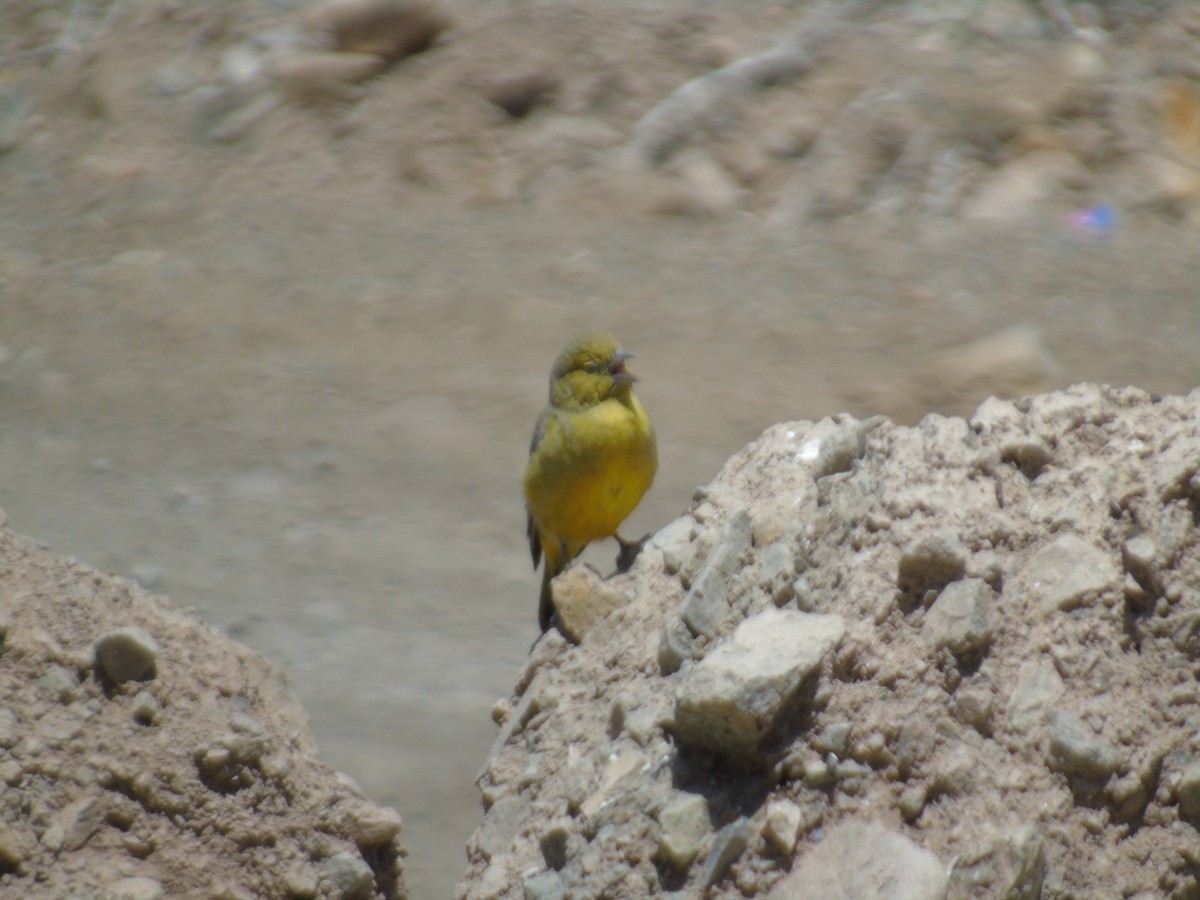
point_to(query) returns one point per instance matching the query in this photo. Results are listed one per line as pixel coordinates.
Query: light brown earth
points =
(284, 368)
(958, 660)
(145, 754)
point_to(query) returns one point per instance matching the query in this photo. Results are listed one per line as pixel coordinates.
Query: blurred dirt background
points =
(278, 300)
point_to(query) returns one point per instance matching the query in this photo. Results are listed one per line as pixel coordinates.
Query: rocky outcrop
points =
(146, 755)
(959, 659)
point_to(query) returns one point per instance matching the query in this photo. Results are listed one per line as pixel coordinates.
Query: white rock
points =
(685, 824)
(732, 698)
(1066, 574)
(782, 825)
(960, 618)
(127, 654)
(582, 599)
(706, 605)
(1038, 689)
(857, 860)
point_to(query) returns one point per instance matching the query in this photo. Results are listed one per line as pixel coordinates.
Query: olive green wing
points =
(539, 433)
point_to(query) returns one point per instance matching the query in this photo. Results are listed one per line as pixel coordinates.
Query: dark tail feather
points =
(535, 540)
(546, 601)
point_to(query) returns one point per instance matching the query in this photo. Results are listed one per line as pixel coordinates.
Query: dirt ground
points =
(145, 754)
(956, 661)
(274, 347)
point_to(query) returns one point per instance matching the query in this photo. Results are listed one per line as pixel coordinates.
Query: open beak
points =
(617, 369)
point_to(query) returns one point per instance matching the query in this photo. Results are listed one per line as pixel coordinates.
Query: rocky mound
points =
(146, 755)
(958, 659)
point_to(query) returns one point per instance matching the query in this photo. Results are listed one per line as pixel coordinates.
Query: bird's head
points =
(590, 370)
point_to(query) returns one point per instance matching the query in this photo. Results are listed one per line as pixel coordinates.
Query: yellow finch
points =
(591, 459)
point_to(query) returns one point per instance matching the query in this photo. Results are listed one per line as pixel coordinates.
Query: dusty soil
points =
(276, 351)
(145, 754)
(990, 665)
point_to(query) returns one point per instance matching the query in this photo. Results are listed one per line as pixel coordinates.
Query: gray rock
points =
(145, 708)
(817, 773)
(960, 618)
(973, 706)
(620, 776)
(841, 444)
(59, 684)
(60, 725)
(544, 886)
(955, 769)
(1026, 856)
(706, 605)
(80, 820)
(728, 845)
(807, 597)
(914, 745)
(673, 540)
(54, 835)
(931, 562)
(348, 875)
(912, 801)
(1188, 791)
(127, 654)
(1140, 555)
(696, 554)
(781, 825)
(369, 825)
(1076, 750)
(850, 768)
(1066, 574)
(1031, 455)
(863, 859)
(685, 825)
(778, 567)
(1128, 796)
(833, 738)
(733, 697)
(500, 824)
(1039, 688)
(300, 881)
(14, 848)
(675, 644)
(582, 599)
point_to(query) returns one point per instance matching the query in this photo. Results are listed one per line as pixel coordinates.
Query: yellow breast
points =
(589, 470)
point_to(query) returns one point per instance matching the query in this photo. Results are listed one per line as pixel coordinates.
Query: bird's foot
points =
(629, 551)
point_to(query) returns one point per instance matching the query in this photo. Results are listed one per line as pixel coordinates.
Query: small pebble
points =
(8, 728)
(1188, 791)
(300, 882)
(348, 875)
(817, 773)
(373, 826)
(912, 801)
(145, 708)
(13, 850)
(728, 845)
(782, 825)
(127, 654)
(59, 684)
